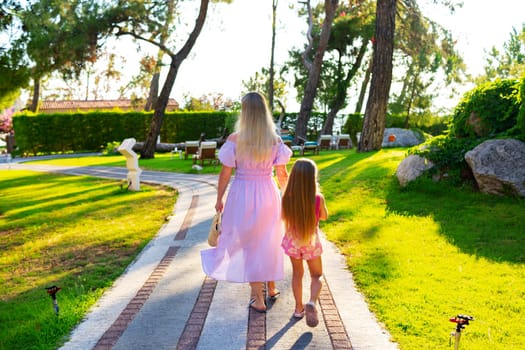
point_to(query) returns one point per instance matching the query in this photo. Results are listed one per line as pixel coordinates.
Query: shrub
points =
(489, 109)
(447, 153)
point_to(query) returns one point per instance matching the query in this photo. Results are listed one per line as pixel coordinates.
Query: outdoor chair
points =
(325, 142)
(190, 148)
(307, 146)
(343, 141)
(207, 151)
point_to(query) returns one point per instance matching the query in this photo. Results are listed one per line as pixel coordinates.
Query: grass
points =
(420, 254)
(161, 162)
(78, 233)
(428, 252)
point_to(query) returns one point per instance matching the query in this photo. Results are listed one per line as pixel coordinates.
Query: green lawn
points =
(78, 233)
(421, 254)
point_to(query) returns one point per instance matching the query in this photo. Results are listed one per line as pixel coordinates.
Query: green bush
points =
(520, 125)
(92, 131)
(488, 110)
(447, 153)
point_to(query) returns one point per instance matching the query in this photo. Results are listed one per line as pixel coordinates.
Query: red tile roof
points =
(81, 105)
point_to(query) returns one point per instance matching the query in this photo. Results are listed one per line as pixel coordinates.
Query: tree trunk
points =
(155, 79)
(310, 90)
(376, 106)
(339, 100)
(36, 96)
(153, 92)
(272, 57)
(364, 85)
(148, 151)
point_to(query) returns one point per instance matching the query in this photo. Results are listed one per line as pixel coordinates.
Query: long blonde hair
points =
(255, 128)
(299, 200)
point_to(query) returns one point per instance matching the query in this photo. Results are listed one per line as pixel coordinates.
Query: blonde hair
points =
(299, 200)
(255, 128)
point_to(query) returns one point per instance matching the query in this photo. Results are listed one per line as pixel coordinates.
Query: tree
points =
(60, 36)
(508, 63)
(139, 20)
(13, 68)
(163, 37)
(375, 112)
(351, 33)
(314, 68)
(423, 48)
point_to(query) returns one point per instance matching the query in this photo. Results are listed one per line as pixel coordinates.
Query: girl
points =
(302, 207)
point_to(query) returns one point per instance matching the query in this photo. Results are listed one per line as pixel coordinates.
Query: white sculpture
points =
(132, 163)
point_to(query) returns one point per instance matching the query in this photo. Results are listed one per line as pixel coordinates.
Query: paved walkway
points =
(164, 300)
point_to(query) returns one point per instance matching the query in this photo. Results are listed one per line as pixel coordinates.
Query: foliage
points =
(81, 239)
(490, 109)
(423, 49)
(521, 115)
(91, 131)
(260, 82)
(508, 63)
(14, 73)
(111, 148)
(447, 153)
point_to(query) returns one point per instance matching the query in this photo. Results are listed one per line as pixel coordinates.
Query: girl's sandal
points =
(298, 315)
(312, 318)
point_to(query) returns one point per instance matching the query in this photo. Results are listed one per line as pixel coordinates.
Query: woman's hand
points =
(219, 205)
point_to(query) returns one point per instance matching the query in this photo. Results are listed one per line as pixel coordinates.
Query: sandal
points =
(310, 310)
(298, 315)
(252, 306)
(275, 296)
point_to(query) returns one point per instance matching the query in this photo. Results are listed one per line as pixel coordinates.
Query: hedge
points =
(91, 131)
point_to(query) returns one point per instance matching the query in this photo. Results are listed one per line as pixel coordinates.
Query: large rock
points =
(397, 137)
(499, 166)
(411, 168)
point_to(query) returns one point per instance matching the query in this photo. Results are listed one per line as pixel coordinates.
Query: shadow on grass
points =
(483, 225)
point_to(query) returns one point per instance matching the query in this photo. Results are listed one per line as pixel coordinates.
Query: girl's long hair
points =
(255, 128)
(298, 202)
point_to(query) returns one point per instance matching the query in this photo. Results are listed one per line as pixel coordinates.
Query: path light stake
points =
(461, 321)
(52, 291)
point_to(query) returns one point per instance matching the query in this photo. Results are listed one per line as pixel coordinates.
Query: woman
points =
(249, 245)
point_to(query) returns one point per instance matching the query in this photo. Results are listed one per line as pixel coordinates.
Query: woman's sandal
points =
(275, 296)
(251, 306)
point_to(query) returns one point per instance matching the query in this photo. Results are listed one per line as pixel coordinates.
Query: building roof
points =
(86, 105)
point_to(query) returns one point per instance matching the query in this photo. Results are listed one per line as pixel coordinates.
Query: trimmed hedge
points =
(91, 131)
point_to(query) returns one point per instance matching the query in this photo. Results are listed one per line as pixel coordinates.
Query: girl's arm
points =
(282, 176)
(323, 211)
(224, 180)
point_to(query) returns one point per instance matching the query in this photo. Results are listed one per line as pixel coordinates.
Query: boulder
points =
(397, 137)
(411, 168)
(499, 166)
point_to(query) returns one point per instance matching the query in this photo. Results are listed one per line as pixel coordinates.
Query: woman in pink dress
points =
(249, 245)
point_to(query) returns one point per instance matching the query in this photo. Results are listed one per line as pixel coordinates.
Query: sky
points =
(227, 54)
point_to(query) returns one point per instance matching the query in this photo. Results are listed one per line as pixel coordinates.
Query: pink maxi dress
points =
(249, 247)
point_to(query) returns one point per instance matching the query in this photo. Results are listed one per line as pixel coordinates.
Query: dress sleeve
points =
(227, 154)
(283, 154)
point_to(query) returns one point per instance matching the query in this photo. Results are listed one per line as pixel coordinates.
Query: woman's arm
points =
(224, 180)
(282, 176)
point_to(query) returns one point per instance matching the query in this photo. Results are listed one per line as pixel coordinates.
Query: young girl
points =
(302, 207)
